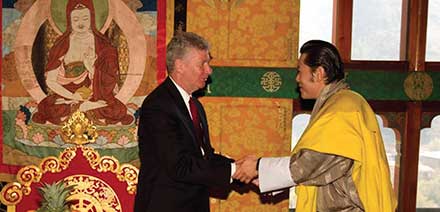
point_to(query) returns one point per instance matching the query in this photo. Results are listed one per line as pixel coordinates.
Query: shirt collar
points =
(182, 92)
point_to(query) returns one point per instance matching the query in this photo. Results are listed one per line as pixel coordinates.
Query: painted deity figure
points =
(82, 72)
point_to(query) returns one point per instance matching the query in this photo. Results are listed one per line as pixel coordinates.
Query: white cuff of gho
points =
(274, 174)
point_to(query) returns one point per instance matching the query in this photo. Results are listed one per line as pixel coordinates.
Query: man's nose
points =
(208, 69)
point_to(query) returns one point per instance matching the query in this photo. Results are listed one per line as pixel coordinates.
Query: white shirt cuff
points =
(233, 168)
(274, 174)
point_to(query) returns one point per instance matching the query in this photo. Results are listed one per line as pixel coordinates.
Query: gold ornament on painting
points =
(271, 81)
(79, 130)
(418, 86)
(12, 193)
(92, 193)
(125, 172)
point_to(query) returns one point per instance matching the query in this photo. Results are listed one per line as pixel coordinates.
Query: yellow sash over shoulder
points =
(347, 126)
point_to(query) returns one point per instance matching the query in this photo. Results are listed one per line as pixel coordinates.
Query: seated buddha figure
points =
(82, 73)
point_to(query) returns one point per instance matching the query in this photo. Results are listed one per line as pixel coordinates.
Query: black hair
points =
(324, 54)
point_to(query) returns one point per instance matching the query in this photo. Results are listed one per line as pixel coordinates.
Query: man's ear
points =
(320, 75)
(178, 65)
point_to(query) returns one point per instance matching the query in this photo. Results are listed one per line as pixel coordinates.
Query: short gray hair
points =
(180, 43)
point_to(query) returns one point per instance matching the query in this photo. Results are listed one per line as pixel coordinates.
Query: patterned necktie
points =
(196, 121)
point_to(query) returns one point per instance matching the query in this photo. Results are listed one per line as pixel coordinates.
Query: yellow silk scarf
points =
(346, 126)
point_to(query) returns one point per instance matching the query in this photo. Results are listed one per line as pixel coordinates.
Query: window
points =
(376, 30)
(391, 143)
(433, 32)
(428, 186)
(315, 20)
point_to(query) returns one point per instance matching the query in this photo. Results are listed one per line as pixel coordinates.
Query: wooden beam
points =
(416, 40)
(342, 25)
(410, 158)
(399, 66)
(418, 13)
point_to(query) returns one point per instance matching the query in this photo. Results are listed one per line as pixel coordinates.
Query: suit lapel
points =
(181, 109)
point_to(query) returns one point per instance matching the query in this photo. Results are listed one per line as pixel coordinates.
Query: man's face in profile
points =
(309, 85)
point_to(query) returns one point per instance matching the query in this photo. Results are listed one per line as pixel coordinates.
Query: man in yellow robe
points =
(339, 163)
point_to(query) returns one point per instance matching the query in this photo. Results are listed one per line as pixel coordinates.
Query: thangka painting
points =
(60, 56)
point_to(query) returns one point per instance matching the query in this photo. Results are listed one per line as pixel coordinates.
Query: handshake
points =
(247, 170)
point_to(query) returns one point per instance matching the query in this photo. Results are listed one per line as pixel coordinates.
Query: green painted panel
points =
(125, 155)
(435, 96)
(378, 85)
(247, 82)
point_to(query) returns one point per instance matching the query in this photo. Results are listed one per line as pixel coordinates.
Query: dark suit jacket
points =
(174, 176)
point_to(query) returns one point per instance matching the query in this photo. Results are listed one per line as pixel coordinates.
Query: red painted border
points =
(161, 40)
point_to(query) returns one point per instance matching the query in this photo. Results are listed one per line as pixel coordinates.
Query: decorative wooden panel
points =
(243, 126)
(248, 33)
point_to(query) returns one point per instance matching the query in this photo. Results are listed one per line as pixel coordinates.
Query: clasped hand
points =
(247, 170)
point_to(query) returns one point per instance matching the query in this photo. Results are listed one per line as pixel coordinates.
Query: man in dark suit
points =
(178, 164)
